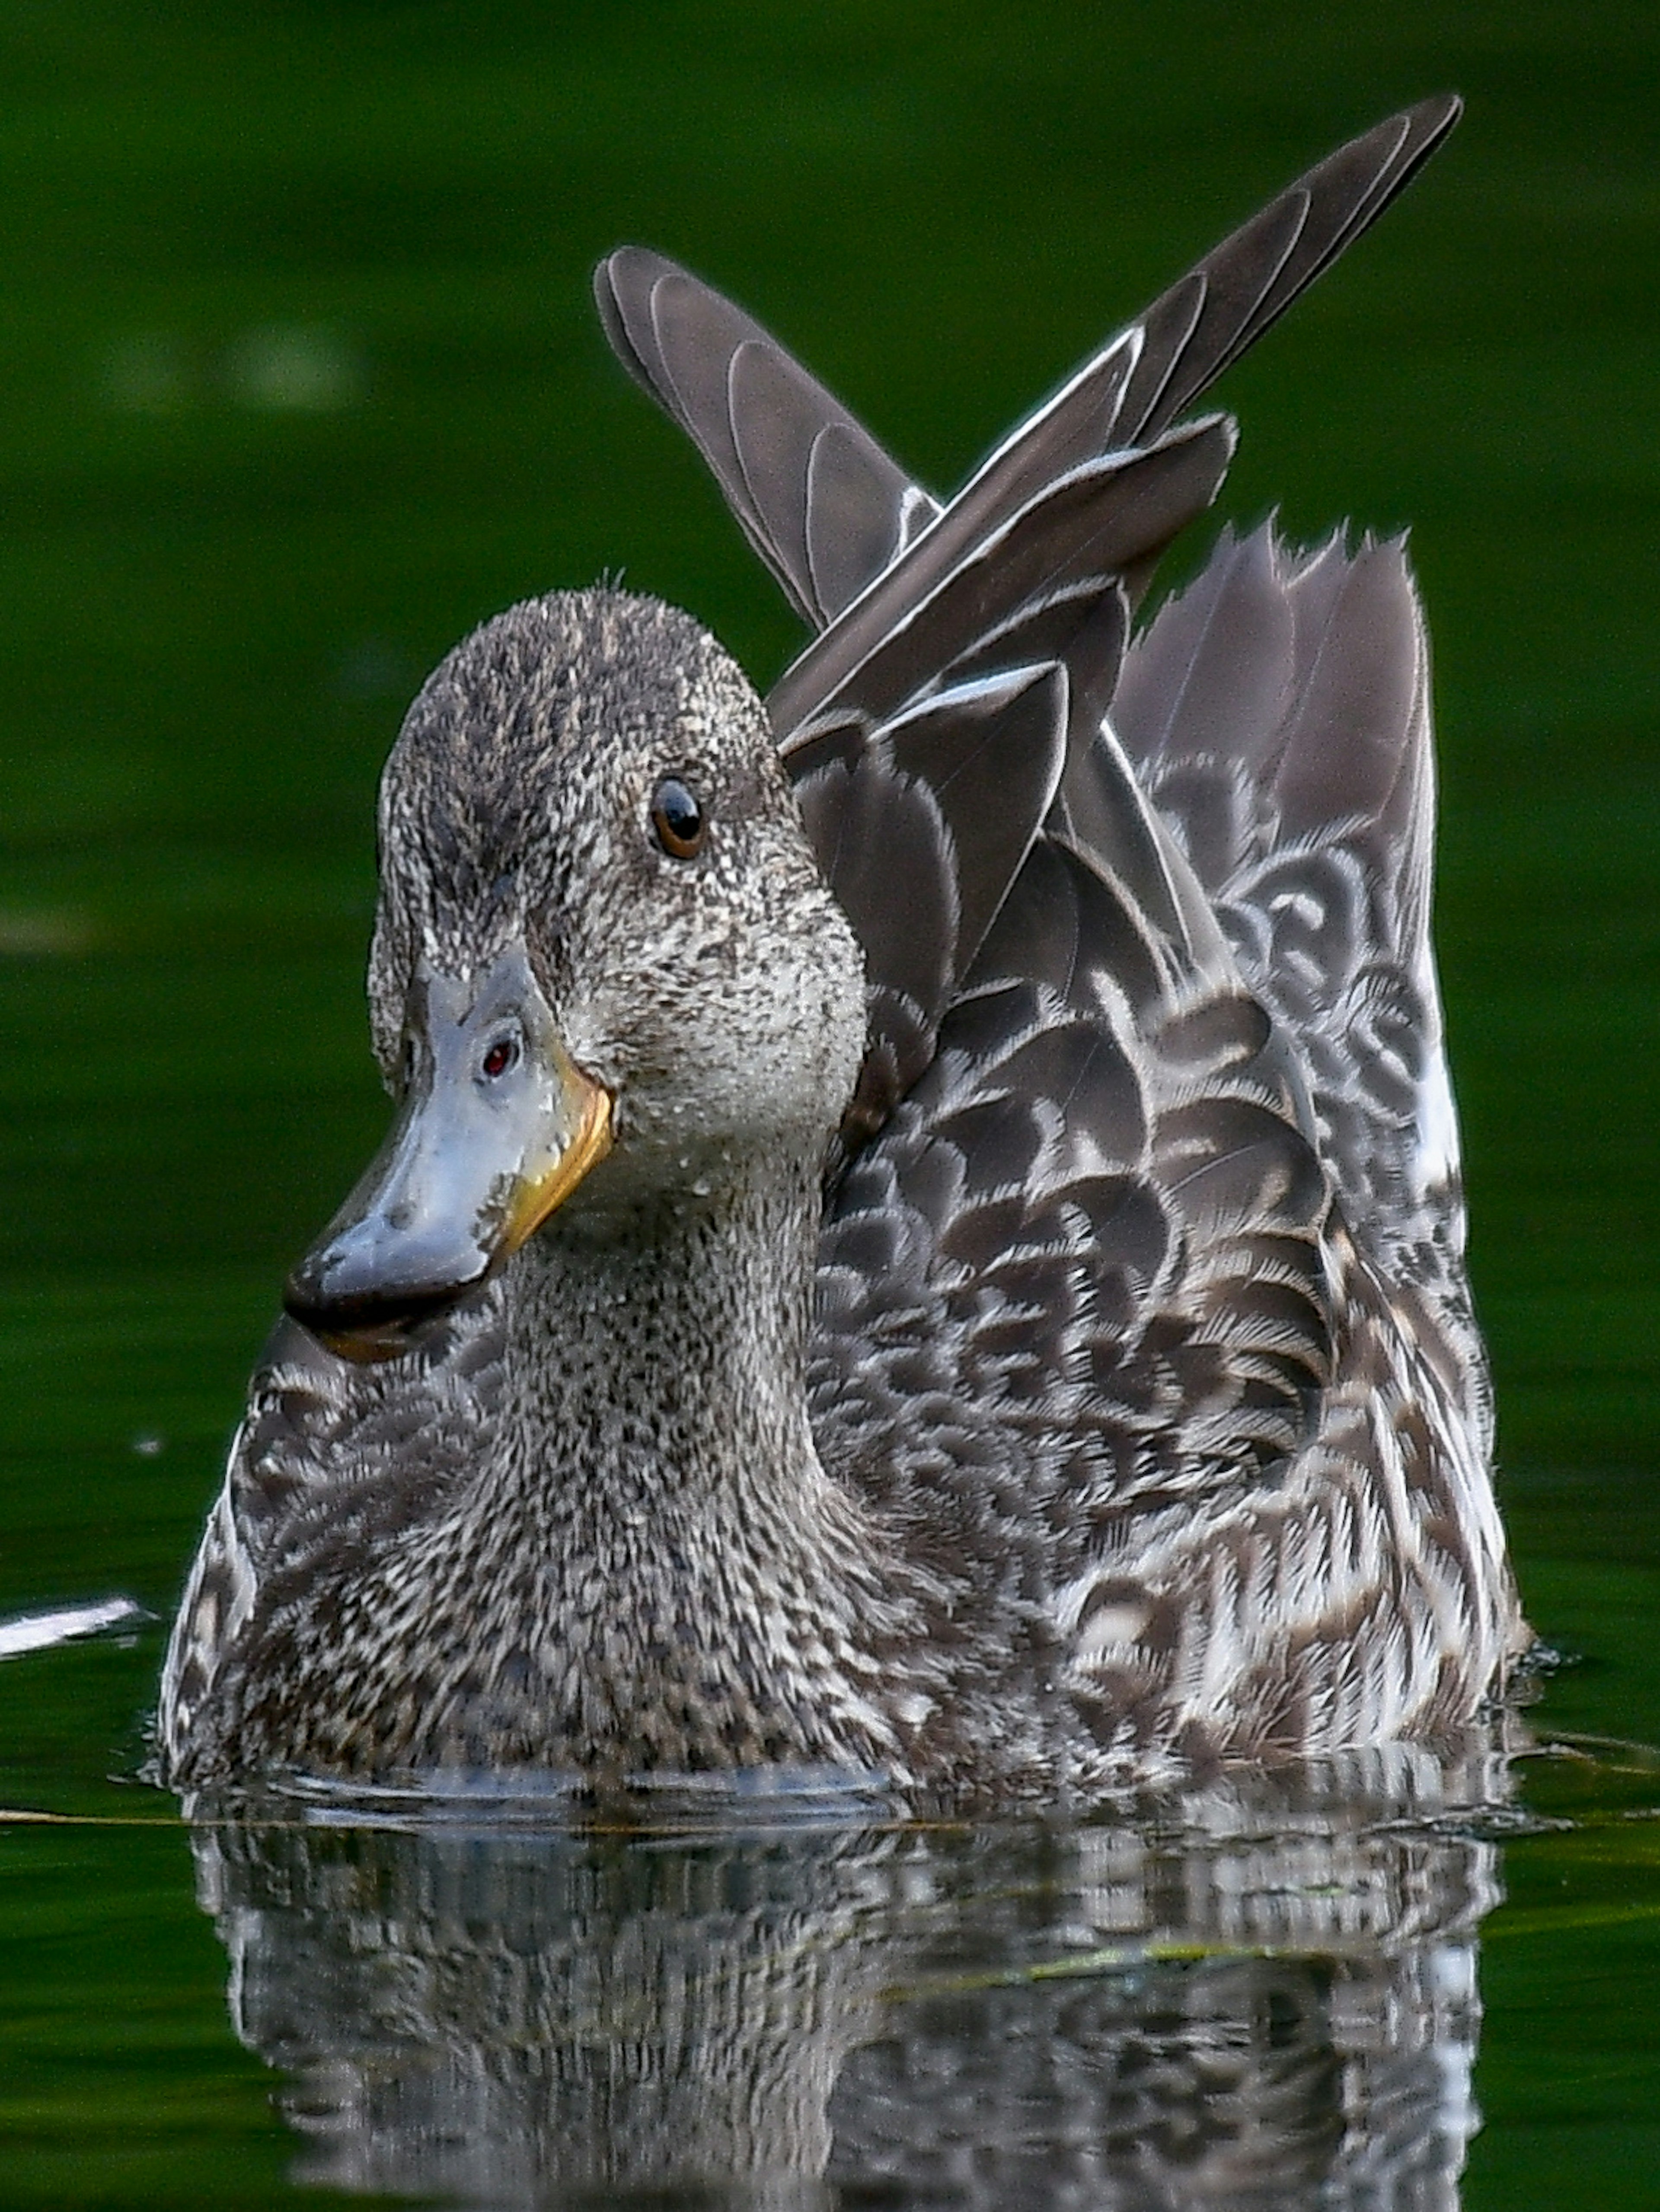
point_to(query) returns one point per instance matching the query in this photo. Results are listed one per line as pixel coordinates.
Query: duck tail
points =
(1277, 713)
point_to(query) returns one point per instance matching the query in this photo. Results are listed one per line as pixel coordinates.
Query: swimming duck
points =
(922, 1235)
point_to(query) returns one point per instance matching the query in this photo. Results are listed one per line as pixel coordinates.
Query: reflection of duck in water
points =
(1218, 2015)
(1113, 1406)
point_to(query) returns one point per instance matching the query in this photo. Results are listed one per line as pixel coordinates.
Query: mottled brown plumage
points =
(1017, 1339)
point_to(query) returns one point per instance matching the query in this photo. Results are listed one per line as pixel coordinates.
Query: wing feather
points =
(821, 502)
(830, 515)
(921, 824)
(939, 603)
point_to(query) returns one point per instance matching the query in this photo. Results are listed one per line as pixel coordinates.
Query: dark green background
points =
(299, 379)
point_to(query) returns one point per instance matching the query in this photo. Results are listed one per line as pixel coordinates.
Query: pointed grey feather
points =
(1103, 815)
(853, 528)
(938, 602)
(1159, 364)
(1220, 669)
(1346, 745)
(826, 512)
(1203, 324)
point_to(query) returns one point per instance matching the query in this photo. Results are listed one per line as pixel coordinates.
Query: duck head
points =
(607, 972)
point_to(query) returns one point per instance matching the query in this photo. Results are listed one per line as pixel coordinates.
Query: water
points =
(301, 381)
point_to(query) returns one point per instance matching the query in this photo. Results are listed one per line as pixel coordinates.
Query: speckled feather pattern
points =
(1020, 1342)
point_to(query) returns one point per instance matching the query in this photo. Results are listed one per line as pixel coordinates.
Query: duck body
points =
(922, 1235)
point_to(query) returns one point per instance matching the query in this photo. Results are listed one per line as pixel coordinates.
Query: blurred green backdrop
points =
(299, 379)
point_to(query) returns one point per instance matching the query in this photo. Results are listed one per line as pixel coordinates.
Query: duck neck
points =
(702, 1591)
(658, 1354)
(655, 1392)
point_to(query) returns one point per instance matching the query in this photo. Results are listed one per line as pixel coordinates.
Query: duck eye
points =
(677, 817)
(500, 1057)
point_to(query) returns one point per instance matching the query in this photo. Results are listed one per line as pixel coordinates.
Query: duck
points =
(922, 1235)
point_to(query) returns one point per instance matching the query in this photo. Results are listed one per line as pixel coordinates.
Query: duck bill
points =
(497, 1127)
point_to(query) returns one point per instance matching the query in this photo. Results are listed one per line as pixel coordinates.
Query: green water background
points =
(299, 379)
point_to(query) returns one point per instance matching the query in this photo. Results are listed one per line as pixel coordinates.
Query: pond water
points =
(302, 382)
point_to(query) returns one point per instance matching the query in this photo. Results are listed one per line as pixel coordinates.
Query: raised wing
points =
(831, 512)
(1143, 378)
(1037, 560)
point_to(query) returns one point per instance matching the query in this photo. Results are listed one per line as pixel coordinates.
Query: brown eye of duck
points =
(500, 1057)
(677, 817)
